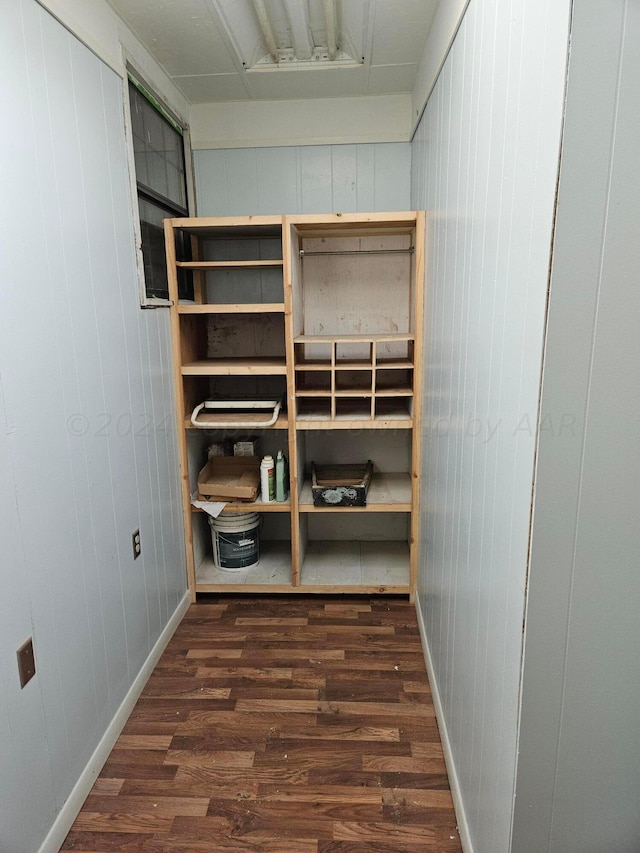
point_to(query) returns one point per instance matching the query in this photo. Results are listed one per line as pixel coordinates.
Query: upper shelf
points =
(228, 265)
(233, 308)
(229, 227)
(235, 367)
(352, 339)
(214, 419)
(341, 224)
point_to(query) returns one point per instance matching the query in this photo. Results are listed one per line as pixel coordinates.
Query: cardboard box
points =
(230, 477)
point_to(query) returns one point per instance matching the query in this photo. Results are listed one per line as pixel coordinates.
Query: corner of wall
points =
(67, 814)
(96, 25)
(441, 35)
(454, 783)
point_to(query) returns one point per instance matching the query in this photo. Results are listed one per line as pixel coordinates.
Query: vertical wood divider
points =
(172, 275)
(289, 270)
(373, 358)
(333, 380)
(199, 276)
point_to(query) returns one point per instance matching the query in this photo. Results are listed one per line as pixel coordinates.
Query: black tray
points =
(340, 485)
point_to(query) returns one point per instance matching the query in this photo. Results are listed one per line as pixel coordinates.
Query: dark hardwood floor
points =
(282, 725)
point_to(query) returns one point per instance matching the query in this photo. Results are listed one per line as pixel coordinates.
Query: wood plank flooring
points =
(280, 725)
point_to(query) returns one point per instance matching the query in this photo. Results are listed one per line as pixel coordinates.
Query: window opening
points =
(161, 183)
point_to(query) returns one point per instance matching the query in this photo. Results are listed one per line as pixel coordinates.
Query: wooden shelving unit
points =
(325, 311)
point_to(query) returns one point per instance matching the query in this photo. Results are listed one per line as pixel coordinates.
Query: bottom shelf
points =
(273, 569)
(356, 564)
(329, 566)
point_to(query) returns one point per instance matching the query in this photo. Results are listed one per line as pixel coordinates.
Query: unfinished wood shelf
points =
(227, 265)
(253, 506)
(282, 422)
(231, 308)
(325, 313)
(258, 366)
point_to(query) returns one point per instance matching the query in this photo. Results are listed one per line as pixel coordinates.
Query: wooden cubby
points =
(324, 311)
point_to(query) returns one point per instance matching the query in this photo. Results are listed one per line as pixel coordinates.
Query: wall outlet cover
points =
(26, 662)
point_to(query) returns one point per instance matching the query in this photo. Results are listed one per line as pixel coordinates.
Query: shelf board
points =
(262, 226)
(254, 506)
(273, 570)
(281, 423)
(394, 364)
(352, 339)
(235, 367)
(313, 392)
(346, 224)
(356, 416)
(398, 391)
(312, 364)
(353, 392)
(371, 564)
(233, 308)
(320, 422)
(355, 567)
(228, 265)
(362, 364)
(387, 493)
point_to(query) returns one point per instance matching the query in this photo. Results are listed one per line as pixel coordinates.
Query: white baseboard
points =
(456, 793)
(69, 811)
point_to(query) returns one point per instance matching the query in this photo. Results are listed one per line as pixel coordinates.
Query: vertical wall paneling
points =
(365, 176)
(242, 193)
(210, 176)
(484, 164)
(344, 173)
(303, 179)
(579, 760)
(87, 446)
(316, 178)
(25, 771)
(272, 164)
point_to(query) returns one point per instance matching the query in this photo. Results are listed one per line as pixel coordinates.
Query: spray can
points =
(282, 477)
(267, 480)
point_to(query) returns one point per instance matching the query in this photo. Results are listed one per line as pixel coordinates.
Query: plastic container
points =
(267, 480)
(282, 477)
(236, 541)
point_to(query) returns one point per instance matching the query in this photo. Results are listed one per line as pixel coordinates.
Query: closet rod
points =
(408, 251)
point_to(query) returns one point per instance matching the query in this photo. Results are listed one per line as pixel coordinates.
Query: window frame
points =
(173, 119)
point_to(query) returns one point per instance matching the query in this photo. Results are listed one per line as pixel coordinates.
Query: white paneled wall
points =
(87, 439)
(484, 163)
(303, 179)
(579, 748)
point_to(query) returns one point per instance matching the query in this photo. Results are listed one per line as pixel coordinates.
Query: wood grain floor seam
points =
(279, 725)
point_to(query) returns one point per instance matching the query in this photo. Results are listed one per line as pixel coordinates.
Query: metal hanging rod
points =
(408, 251)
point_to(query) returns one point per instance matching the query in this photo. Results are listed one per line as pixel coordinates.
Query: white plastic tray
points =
(225, 414)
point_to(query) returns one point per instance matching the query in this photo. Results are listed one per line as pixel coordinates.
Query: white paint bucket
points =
(236, 541)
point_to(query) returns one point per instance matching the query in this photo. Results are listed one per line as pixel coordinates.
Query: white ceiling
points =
(191, 40)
